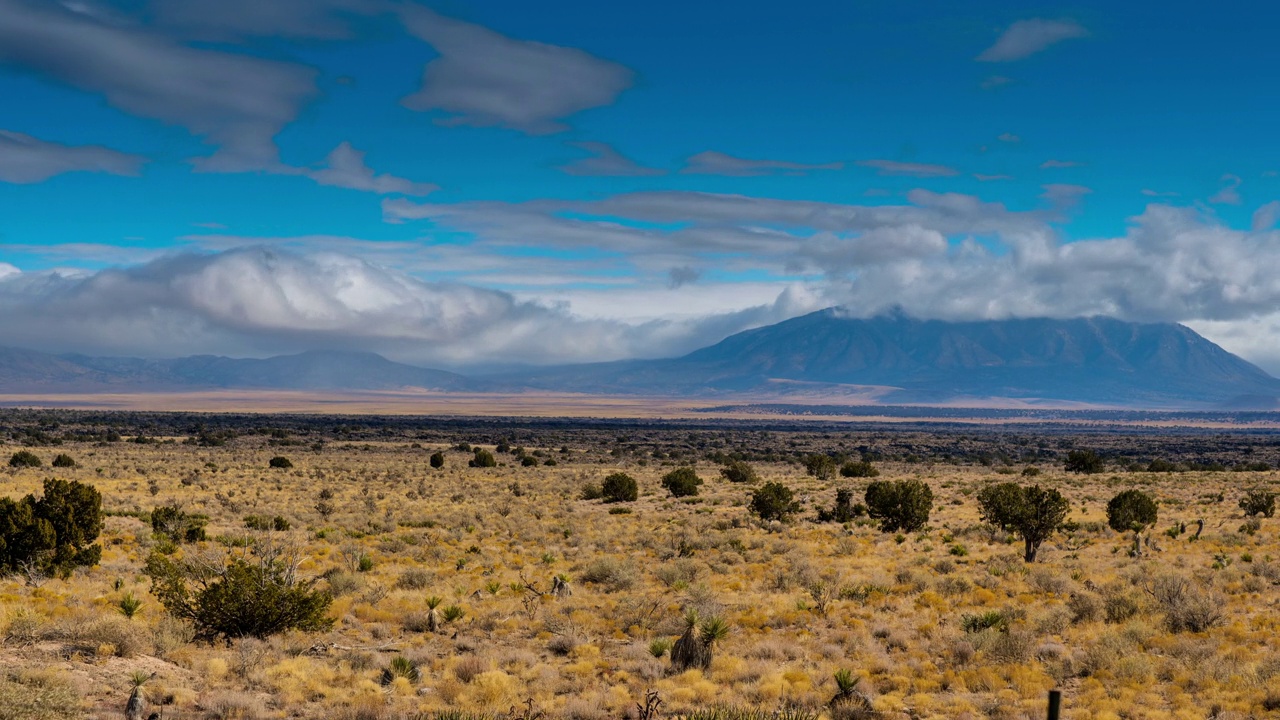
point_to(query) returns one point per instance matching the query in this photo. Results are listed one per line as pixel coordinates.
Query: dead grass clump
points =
(1085, 607)
(612, 574)
(1119, 603)
(1187, 605)
(469, 668)
(414, 579)
(233, 705)
(1048, 581)
(37, 696)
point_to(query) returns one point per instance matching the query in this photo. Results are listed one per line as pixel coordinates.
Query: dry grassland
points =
(903, 613)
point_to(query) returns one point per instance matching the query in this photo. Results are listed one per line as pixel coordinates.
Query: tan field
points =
(903, 613)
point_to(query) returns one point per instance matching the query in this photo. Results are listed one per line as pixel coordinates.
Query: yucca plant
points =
(452, 613)
(433, 615)
(400, 667)
(129, 605)
(696, 647)
(135, 708)
(659, 647)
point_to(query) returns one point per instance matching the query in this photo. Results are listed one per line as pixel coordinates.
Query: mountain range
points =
(891, 359)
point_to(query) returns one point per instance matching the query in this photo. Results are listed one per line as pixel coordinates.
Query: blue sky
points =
(457, 183)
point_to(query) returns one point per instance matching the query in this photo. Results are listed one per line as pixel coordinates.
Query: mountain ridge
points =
(889, 359)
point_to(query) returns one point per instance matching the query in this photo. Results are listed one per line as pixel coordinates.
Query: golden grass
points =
(803, 599)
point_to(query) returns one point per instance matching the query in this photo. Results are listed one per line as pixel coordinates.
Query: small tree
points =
(737, 471)
(483, 459)
(1259, 501)
(64, 461)
(25, 459)
(859, 469)
(820, 466)
(1084, 461)
(280, 462)
(774, 501)
(172, 522)
(1032, 512)
(899, 505)
(844, 510)
(437, 460)
(54, 533)
(682, 482)
(1131, 510)
(620, 487)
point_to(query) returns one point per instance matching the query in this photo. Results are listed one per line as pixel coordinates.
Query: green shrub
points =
(899, 505)
(845, 510)
(984, 621)
(682, 482)
(774, 501)
(54, 533)
(266, 522)
(175, 524)
(483, 459)
(620, 487)
(437, 460)
(859, 469)
(1259, 502)
(1131, 510)
(737, 471)
(1084, 461)
(820, 466)
(400, 667)
(240, 598)
(280, 462)
(25, 459)
(64, 460)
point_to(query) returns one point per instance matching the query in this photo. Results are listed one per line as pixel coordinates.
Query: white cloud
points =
(910, 169)
(1025, 38)
(1265, 217)
(606, 161)
(718, 163)
(25, 159)
(1229, 194)
(483, 78)
(235, 19)
(345, 168)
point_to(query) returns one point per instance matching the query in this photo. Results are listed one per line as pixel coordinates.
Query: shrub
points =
(620, 487)
(1032, 512)
(37, 698)
(738, 471)
(820, 466)
(173, 523)
(240, 598)
(1131, 510)
(1187, 606)
(1084, 461)
(64, 461)
(984, 621)
(682, 482)
(859, 469)
(483, 459)
(25, 459)
(280, 462)
(899, 505)
(54, 533)
(1259, 502)
(591, 491)
(1160, 465)
(844, 510)
(400, 667)
(266, 522)
(774, 501)
(610, 573)
(437, 460)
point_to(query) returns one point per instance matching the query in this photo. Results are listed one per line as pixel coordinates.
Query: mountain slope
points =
(1087, 359)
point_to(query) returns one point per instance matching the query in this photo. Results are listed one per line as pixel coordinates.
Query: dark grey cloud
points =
(605, 161)
(718, 163)
(1025, 38)
(237, 19)
(678, 277)
(25, 159)
(236, 103)
(483, 78)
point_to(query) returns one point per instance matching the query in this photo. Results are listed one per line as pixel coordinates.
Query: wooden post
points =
(1055, 704)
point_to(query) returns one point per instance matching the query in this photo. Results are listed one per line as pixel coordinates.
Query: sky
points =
(482, 184)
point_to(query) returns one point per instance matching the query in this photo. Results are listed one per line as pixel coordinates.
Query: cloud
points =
(991, 178)
(345, 168)
(995, 82)
(1025, 38)
(237, 19)
(909, 169)
(1009, 138)
(683, 275)
(1058, 164)
(236, 103)
(1265, 217)
(1063, 194)
(1230, 192)
(25, 159)
(255, 301)
(1157, 194)
(718, 163)
(486, 79)
(606, 161)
